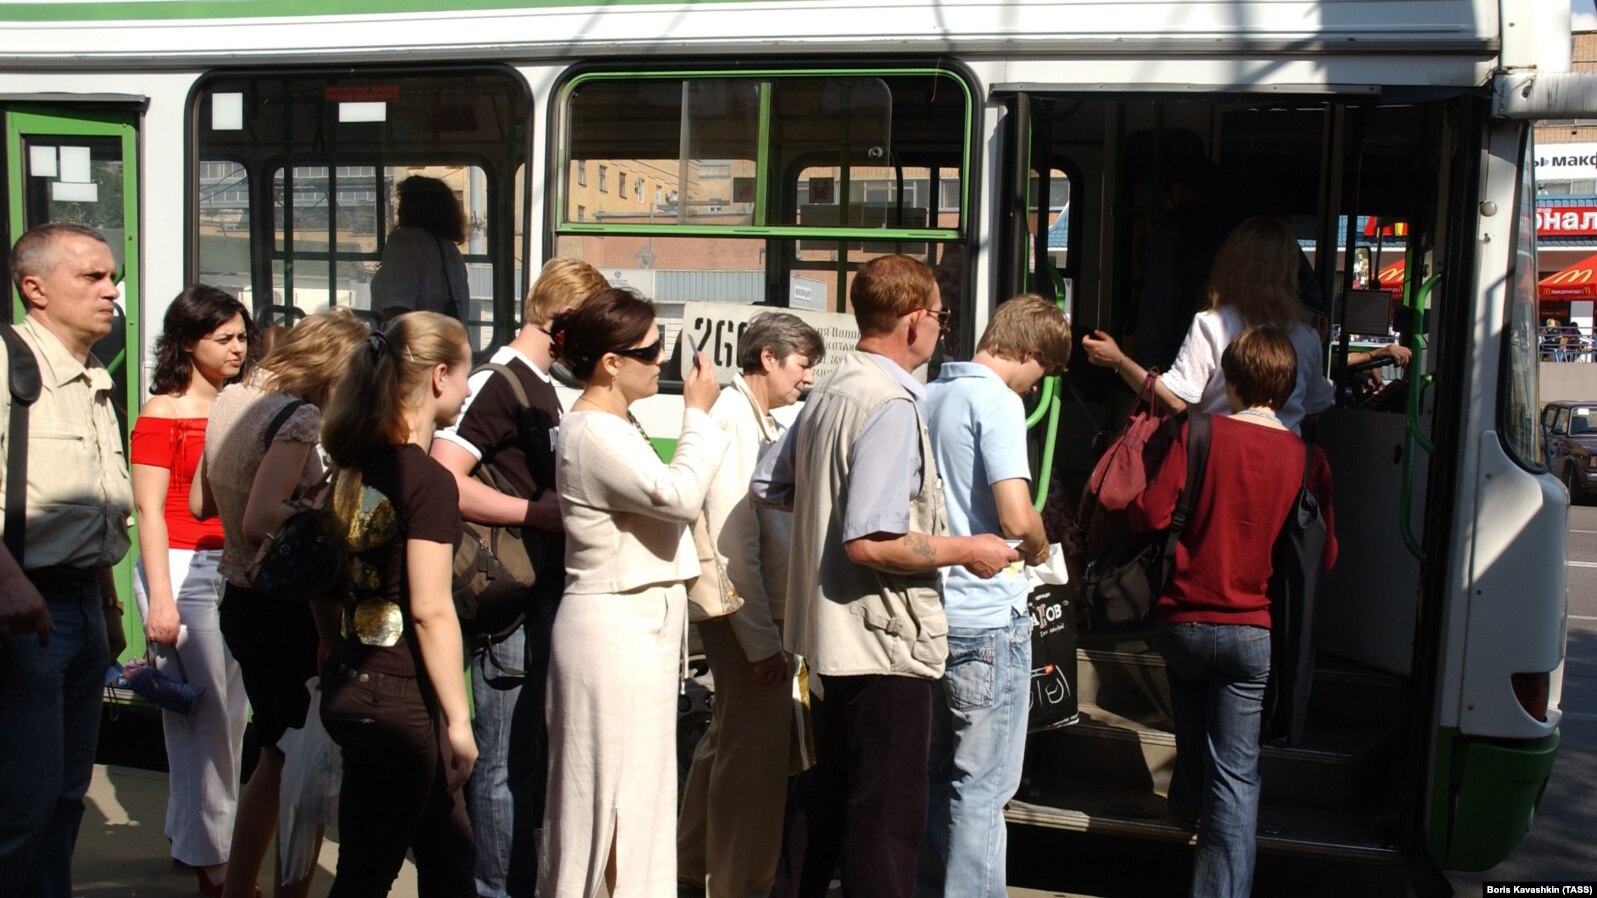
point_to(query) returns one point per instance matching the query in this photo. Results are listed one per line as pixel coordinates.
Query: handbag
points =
(178, 696)
(1128, 575)
(1297, 572)
(711, 595)
(301, 560)
(1126, 467)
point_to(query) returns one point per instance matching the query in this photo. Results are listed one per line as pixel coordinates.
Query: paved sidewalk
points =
(122, 852)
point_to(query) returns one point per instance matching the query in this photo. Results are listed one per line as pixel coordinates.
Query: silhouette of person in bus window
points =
(422, 269)
(1201, 213)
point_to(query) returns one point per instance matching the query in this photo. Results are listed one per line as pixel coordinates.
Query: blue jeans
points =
(49, 722)
(978, 743)
(505, 797)
(1217, 676)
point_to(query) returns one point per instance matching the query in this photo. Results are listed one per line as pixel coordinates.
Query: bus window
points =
(767, 189)
(315, 160)
(224, 226)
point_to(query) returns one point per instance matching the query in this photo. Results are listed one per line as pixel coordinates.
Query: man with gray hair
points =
(73, 529)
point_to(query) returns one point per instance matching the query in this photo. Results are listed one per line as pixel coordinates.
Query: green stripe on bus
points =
(112, 10)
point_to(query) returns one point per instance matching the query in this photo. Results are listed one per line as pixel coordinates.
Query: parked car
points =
(1569, 433)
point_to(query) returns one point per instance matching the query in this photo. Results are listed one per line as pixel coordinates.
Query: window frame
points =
(558, 155)
(517, 206)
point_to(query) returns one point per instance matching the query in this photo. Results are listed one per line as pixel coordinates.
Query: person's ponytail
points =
(383, 379)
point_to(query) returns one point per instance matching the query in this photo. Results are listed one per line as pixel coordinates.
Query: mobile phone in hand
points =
(694, 346)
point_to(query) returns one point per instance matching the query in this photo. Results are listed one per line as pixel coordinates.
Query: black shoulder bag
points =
(25, 388)
(1126, 578)
(1297, 572)
(302, 559)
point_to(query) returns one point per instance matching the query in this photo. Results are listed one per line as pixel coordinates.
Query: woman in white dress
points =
(618, 636)
(1254, 281)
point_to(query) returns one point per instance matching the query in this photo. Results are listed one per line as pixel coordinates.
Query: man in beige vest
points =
(864, 601)
(75, 528)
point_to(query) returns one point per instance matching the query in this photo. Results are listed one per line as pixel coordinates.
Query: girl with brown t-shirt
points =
(393, 688)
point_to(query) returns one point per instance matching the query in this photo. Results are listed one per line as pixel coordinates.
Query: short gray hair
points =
(32, 255)
(783, 334)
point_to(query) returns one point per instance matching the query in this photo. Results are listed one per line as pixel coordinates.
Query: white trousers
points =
(203, 751)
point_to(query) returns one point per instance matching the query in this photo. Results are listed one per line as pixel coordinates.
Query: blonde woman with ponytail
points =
(393, 687)
(260, 450)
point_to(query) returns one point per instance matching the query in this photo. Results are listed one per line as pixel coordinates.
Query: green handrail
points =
(1048, 406)
(1412, 434)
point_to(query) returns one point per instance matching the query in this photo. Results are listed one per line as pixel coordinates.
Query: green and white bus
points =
(724, 156)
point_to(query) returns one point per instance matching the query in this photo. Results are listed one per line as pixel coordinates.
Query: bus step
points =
(1127, 678)
(1073, 805)
(1336, 768)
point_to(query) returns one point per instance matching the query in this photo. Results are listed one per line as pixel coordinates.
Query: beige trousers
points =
(729, 835)
(614, 671)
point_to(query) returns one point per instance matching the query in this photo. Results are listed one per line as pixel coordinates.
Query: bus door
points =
(81, 166)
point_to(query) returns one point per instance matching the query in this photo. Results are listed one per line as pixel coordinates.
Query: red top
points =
(1223, 557)
(177, 444)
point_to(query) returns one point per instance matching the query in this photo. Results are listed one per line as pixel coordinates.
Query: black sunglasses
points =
(944, 318)
(648, 355)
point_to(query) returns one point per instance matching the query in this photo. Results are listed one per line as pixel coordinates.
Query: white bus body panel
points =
(1122, 28)
(1506, 558)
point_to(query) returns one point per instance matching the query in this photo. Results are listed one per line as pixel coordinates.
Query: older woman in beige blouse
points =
(614, 669)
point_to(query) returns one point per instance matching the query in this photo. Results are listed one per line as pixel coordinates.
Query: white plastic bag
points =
(1052, 572)
(308, 797)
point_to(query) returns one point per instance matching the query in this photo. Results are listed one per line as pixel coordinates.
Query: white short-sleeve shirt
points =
(1195, 376)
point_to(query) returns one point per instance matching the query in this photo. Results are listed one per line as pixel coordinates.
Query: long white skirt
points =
(614, 673)
(202, 752)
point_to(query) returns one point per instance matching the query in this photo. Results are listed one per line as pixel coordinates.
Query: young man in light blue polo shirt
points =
(978, 436)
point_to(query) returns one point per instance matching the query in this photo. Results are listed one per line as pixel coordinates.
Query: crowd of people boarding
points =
(871, 685)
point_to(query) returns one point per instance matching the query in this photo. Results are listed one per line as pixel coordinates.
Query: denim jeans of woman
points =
(1217, 677)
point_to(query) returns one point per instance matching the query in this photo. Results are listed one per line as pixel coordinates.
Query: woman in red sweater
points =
(1212, 623)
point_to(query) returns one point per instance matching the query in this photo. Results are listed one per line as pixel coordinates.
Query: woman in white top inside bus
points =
(1254, 281)
(616, 663)
(204, 344)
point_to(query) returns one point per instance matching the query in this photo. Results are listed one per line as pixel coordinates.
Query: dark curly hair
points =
(611, 319)
(429, 204)
(199, 310)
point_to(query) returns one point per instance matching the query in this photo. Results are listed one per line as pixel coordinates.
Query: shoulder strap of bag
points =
(451, 305)
(25, 387)
(278, 421)
(1199, 426)
(515, 382)
(485, 470)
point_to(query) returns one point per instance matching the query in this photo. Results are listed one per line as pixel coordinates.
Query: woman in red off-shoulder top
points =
(203, 345)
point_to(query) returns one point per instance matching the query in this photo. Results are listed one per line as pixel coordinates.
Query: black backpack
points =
(1297, 573)
(25, 387)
